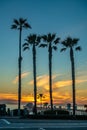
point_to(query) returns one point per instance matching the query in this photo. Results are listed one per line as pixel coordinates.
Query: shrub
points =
(56, 112)
(15, 112)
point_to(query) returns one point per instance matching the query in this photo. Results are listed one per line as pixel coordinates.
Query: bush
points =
(15, 112)
(56, 112)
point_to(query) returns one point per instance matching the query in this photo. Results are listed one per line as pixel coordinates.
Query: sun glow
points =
(61, 91)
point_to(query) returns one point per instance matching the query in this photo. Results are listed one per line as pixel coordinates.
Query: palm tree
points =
(51, 42)
(19, 25)
(34, 41)
(70, 43)
(46, 105)
(41, 96)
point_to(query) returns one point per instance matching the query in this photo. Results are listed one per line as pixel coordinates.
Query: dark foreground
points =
(44, 128)
(34, 124)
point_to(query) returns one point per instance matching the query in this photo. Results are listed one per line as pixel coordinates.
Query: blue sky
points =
(63, 17)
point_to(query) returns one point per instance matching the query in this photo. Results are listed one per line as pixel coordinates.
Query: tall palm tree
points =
(51, 42)
(34, 41)
(70, 43)
(19, 25)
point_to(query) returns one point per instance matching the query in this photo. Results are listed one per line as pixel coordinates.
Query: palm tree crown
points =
(50, 38)
(19, 24)
(32, 39)
(70, 43)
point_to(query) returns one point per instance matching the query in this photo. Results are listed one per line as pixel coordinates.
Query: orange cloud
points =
(66, 83)
(60, 84)
(81, 100)
(81, 80)
(23, 75)
(61, 98)
(43, 81)
(59, 95)
(8, 96)
(27, 98)
(11, 98)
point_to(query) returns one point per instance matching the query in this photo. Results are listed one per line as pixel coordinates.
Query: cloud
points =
(12, 98)
(23, 75)
(61, 98)
(81, 81)
(8, 96)
(67, 83)
(81, 100)
(61, 91)
(43, 81)
(60, 84)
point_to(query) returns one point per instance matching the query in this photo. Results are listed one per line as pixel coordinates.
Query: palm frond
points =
(53, 36)
(75, 40)
(27, 40)
(78, 48)
(64, 43)
(57, 40)
(34, 36)
(70, 42)
(22, 21)
(63, 49)
(38, 39)
(31, 38)
(54, 47)
(67, 42)
(43, 45)
(44, 37)
(26, 25)
(25, 44)
(16, 21)
(14, 26)
(50, 37)
(25, 48)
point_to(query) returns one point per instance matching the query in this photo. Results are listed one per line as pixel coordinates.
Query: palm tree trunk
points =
(34, 75)
(50, 76)
(19, 65)
(41, 101)
(73, 79)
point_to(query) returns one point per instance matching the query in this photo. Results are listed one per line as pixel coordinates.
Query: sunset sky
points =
(63, 17)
